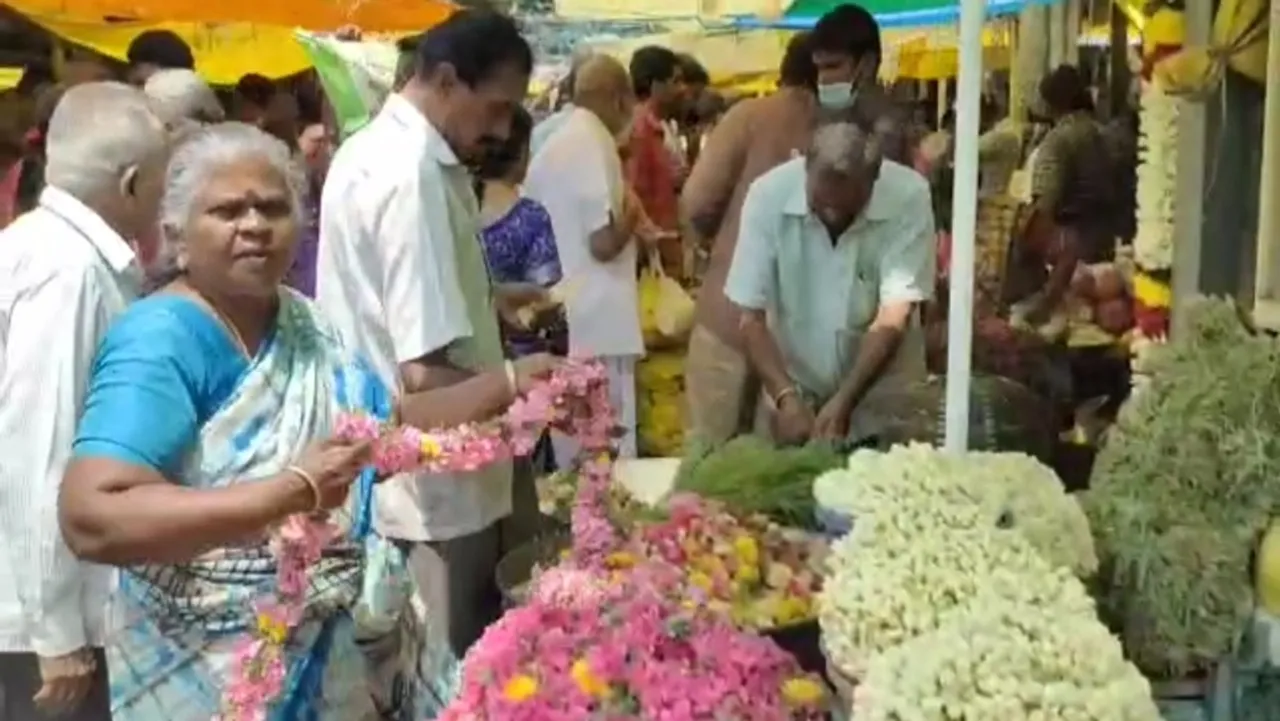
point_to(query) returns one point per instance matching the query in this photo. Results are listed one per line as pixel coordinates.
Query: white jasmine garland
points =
(896, 495)
(880, 594)
(1006, 660)
(1157, 178)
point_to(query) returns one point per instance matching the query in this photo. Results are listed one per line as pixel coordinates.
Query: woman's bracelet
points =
(512, 384)
(317, 499)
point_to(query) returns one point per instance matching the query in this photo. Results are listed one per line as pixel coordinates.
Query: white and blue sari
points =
(171, 392)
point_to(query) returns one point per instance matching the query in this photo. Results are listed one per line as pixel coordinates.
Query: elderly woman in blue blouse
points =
(208, 420)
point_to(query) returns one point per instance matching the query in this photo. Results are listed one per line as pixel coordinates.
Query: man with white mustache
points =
(835, 252)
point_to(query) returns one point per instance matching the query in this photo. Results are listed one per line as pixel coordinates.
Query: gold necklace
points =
(231, 328)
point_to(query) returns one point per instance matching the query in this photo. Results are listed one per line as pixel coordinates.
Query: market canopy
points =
(369, 15)
(802, 14)
(224, 53)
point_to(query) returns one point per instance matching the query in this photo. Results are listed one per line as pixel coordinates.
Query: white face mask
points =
(836, 96)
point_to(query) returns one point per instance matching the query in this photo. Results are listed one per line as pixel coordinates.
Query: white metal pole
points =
(964, 220)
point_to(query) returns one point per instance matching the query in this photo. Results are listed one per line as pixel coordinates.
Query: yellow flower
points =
(429, 447)
(620, 559)
(748, 574)
(792, 609)
(272, 629)
(1151, 292)
(521, 687)
(747, 550)
(588, 682)
(802, 691)
(700, 580)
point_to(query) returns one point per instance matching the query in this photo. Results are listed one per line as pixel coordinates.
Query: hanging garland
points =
(1156, 190)
(573, 399)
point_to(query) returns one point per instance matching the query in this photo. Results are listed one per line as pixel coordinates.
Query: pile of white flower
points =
(941, 599)
(919, 487)
(1007, 660)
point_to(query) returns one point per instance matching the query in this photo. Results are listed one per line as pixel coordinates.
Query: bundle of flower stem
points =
(1187, 481)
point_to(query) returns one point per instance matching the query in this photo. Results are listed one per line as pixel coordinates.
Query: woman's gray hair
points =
(197, 156)
(182, 96)
(843, 147)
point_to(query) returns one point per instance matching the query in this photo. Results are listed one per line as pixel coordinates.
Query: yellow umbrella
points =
(224, 53)
(9, 78)
(369, 15)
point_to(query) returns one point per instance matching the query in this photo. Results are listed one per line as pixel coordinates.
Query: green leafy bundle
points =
(751, 475)
(1187, 481)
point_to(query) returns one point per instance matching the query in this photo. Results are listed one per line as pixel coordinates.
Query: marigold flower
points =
(430, 447)
(272, 628)
(520, 687)
(747, 550)
(620, 559)
(589, 683)
(802, 691)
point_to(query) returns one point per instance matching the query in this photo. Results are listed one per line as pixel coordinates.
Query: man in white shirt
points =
(66, 269)
(578, 177)
(835, 252)
(401, 273)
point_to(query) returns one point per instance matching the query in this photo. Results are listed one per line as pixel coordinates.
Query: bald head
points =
(602, 86)
(182, 96)
(845, 149)
(600, 76)
(99, 136)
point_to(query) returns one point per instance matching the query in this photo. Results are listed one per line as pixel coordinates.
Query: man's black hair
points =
(34, 76)
(797, 69)
(162, 48)
(477, 43)
(256, 89)
(692, 71)
(847, 30)
(650, 65)
(499, 157)
(1064, 90)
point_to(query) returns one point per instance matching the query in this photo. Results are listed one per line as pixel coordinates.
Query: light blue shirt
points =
(547, 127)
(822, 296)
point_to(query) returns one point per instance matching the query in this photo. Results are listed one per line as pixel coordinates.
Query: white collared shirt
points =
(400, 272)
(575, 181)
(64, 275)
(822, 296)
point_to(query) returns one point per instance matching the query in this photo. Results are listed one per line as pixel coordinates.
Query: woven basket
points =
(1003, 416)
(515, 569)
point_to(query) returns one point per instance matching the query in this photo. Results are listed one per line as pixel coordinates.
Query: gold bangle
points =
(782, 396)
(512, 384)
(316, 497)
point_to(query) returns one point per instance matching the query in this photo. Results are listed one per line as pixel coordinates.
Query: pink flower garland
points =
(569, 399)
(574, 399)
(258, 667)
(596, 645)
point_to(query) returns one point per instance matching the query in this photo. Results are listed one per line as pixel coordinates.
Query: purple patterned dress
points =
(520, 247)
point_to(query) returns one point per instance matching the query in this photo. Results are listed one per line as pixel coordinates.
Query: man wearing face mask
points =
(835, 251)
(578, 178)
(846, 50)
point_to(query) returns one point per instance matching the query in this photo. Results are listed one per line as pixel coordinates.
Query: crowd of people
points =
(198, 284)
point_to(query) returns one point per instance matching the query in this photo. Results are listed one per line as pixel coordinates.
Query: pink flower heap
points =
(622, 651)
(568, 400)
